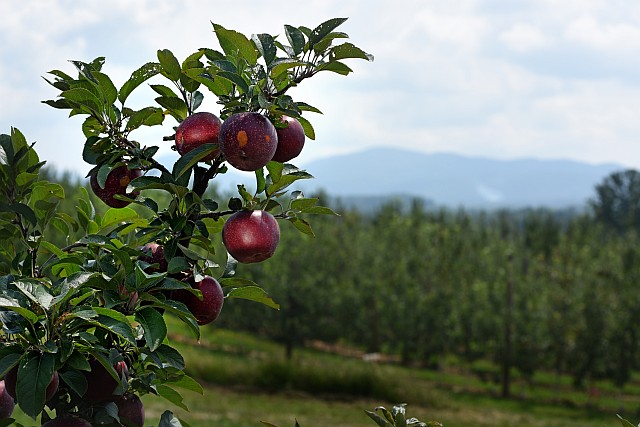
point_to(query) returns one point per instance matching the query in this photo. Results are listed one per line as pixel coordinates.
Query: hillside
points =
(453, 180)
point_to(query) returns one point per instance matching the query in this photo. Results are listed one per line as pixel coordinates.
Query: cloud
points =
(533, 78)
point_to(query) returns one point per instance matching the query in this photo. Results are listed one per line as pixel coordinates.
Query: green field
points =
(247, 381)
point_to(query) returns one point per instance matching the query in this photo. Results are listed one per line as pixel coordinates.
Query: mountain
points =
(452, 180)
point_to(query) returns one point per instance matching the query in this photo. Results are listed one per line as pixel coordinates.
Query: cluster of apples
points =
(247, 141)
(101, 388)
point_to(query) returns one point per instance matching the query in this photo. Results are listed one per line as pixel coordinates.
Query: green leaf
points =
(187, 383)
(13, 305)
(76, 380)
(85, 98)
(253, 293)
(279, 66)
(320, 210)
(309, 132)
(175, 106)
(187, 161)
(349, 50)
(302, 226)
(138, 77)
(148, 116)
(302, 204)
(9, 360)
(324, 29)
(106, 87)
(235, 79)
(378, 419)
(154, 326)
(171, 395)
(171, 356)
(36, 292)
(624, 422)
(266, 45)
(296, 38)
(336, 67)
(169, 420)
(233, 42)
(170, 65)
(164, 91)
(115, 322)
(115, 216)
(34, 375)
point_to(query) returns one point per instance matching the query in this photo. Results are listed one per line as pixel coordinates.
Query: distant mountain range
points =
(452, 180)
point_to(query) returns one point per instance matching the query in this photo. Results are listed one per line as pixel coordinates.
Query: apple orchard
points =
(83, 320)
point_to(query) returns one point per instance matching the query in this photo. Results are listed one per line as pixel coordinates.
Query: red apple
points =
(100, 384)
(196, 130)
(116, 183)
(155, 255)
(67, 421)
(290, 140)
(11, 380)
(207, 309)
(248, 140)
(251, 236)
(130, 410)
(6, 402)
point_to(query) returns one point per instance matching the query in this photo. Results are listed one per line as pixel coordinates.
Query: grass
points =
(247, 380)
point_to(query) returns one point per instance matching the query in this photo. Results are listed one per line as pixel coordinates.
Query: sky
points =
(546, 79)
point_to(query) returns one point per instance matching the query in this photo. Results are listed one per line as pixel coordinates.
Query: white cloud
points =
(448, 76)
(524, 37)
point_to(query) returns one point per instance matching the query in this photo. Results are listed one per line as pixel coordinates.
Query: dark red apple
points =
(248, 140)
(116, 183)
(207, 309)
(67, 421)
(196, 130)
(52, 388)
(130, 410)
(155, 255)
(6, 402)
(290, 140)
(100, 384)
(11, 380)
(251, 236)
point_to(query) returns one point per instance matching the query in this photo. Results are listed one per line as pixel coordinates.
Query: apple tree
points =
(83, 325)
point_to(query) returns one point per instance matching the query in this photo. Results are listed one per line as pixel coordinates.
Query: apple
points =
(100, 384)
(197, 129)
(248, 140)
(207, 309)
(11, 380)
(6, 402)
(290, 140)
(67, 421)
(251, 236)
(116, 183)
(155, 255)
(130, 410)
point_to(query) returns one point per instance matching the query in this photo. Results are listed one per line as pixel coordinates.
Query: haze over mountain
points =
(453, 180)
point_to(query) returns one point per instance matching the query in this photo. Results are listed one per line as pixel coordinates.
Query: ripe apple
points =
(116, 183)
(290, 140)
(197, 129)
(130, 410)
(207, 309)
(251, 236)
(67, 421)
(11, 380)
(155, 256)
(248, 140)
(100, 384)
(6, 402)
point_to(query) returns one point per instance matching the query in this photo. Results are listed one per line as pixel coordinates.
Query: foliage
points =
(98, 299)
(617, 201)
